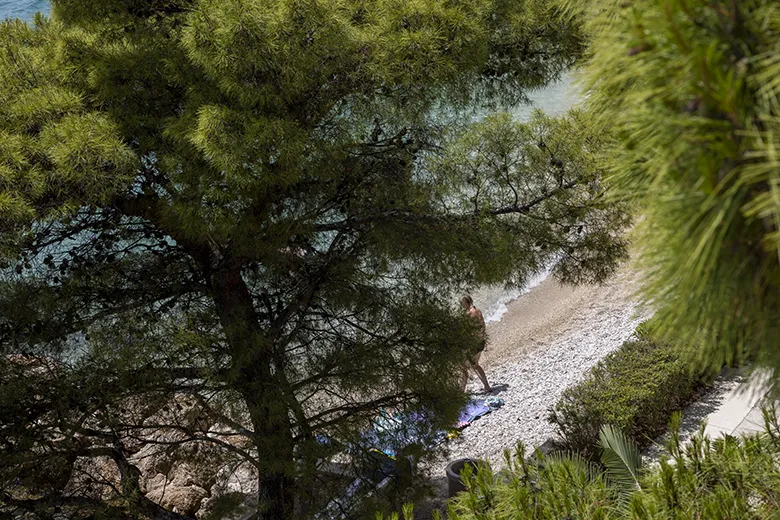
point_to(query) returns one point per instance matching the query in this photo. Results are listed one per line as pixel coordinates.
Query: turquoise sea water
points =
(24, 9)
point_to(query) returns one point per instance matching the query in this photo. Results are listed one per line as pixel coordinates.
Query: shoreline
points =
(548, 340)
(530, 319)
(547, 311)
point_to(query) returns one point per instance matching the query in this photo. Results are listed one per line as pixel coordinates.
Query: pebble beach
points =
(546, 341)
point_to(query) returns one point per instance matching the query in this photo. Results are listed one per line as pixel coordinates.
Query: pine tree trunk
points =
(276, 495)
(253, 377)
(273, 441)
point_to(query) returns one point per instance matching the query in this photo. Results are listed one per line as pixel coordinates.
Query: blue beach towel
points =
(390, 432)
(476, 408)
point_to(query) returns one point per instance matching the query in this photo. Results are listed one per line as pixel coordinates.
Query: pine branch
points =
(413, 217)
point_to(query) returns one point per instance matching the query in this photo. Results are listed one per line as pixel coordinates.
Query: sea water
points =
(24, 9)
(555, 99)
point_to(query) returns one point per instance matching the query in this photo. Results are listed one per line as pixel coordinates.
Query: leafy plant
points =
(718, 479)
(235, 228)
(542, 487)
(621, 459)
(690, 89)
(729, 477)
(636, 389)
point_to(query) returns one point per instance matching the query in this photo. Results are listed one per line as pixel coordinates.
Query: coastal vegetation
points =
(725, 478)
(690, 90)
(233, 233)
(637, 388)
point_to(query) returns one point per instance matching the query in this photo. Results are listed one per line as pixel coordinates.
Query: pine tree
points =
(690, 89)
(234, 228)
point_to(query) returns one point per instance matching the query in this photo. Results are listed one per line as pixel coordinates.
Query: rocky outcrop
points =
(180, 493)
(190, 476)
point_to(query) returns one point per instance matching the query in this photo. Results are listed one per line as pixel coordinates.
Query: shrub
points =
(550, 487)
(636, 388)
(725, 478)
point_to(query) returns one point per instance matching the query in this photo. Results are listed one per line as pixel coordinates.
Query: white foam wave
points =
(493, 300)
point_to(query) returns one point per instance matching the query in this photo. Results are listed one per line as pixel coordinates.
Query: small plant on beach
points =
(720, 479)
(725, 478)
(548, 487)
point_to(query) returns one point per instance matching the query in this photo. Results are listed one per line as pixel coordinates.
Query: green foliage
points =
(237, 226)
(407, 514)
(547, 487)
(561, 164)
(635, 388)
(691, 90)
(55, 153)
(621, 459)
(725, 478)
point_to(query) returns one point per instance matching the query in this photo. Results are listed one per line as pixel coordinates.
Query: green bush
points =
(730, 477)
(636, 388)
(721, 479)
(549, 487)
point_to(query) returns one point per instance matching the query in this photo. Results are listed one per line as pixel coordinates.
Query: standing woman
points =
(475, 314)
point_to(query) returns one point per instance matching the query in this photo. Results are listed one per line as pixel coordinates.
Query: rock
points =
(183, 499)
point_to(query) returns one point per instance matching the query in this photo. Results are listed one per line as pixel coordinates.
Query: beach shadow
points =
(436, 501)
(696, 412)
(499, 388)
(496, 389)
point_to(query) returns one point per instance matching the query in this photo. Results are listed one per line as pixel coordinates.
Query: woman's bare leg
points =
(482, 377)
(474, 362)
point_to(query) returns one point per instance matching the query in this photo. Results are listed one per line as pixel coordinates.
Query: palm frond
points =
(573, 463)
(621, 458)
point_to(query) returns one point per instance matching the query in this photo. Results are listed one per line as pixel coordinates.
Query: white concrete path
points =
(731, 407)
(740, 410)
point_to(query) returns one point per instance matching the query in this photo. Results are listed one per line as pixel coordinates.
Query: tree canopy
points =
(233, 228)
(691, 91)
